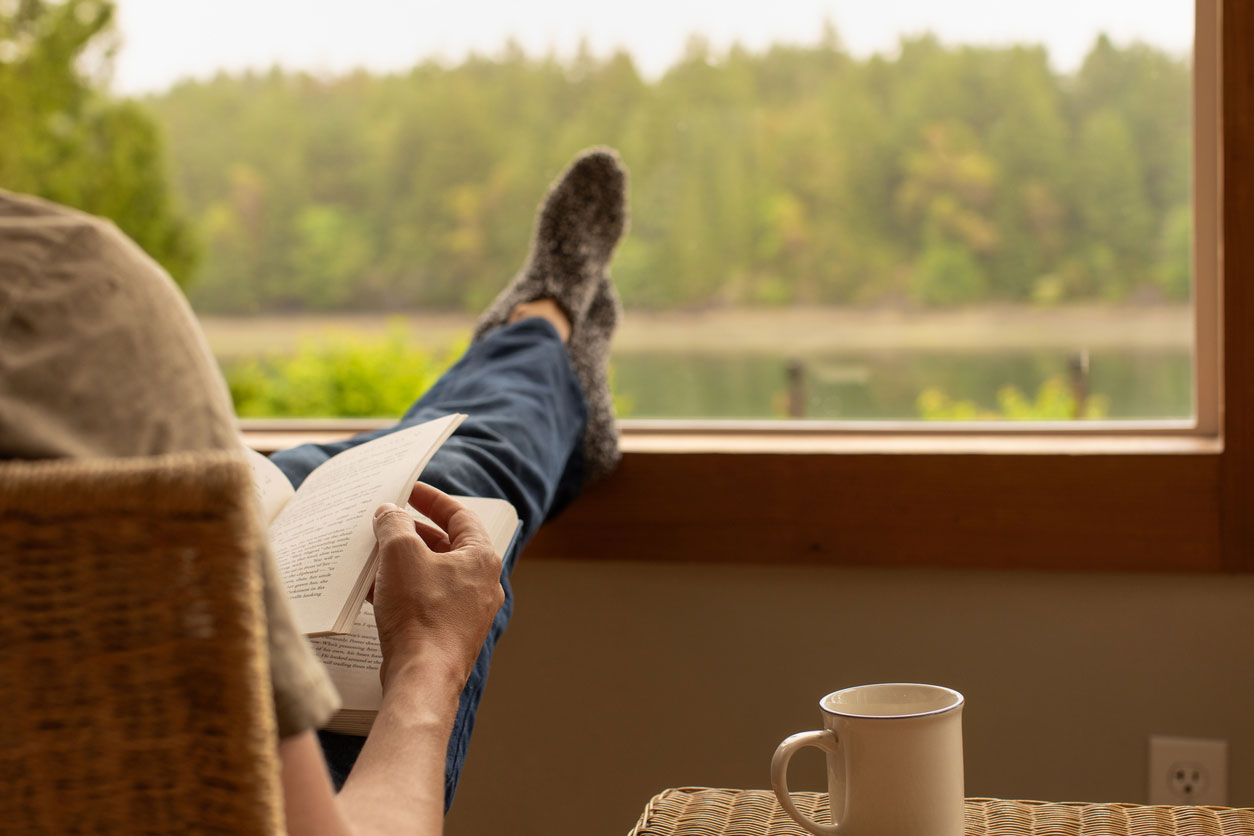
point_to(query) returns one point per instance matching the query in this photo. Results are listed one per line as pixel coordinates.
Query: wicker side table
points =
(699, 811)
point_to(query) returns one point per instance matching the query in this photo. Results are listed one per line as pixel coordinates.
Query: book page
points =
(324, 537)
(273, 489)
(354, 659)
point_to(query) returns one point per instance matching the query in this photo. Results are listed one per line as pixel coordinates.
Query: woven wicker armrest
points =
(700, 811)
(134, 681)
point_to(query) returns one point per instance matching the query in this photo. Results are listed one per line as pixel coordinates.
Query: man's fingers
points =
(435, 503)
(435, 539)
(462, 525)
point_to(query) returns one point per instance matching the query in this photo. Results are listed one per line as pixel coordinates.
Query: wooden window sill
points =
(1133, 501)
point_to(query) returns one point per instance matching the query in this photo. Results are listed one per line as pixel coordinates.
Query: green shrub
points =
(339, 375)
(1054, 401)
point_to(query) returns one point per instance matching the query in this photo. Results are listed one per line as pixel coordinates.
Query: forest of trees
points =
(943, 175)
(940, 175)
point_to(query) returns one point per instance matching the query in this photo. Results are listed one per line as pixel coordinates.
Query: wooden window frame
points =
(1154, 497)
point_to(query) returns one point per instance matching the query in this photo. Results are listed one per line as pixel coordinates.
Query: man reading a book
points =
(100, 356)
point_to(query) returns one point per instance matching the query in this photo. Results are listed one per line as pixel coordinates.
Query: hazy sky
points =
(168, 39)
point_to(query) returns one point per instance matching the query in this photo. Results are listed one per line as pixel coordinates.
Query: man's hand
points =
(436, 590)
(435, 594)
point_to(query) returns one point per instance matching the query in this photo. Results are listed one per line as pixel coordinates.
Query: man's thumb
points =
(391, 522)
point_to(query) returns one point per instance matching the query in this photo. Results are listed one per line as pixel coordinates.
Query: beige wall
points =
(617, 680)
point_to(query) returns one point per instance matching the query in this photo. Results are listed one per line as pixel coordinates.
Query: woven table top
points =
(699, 811)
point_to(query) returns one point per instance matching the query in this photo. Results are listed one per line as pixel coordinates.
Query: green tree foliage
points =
(940, 175)
(68, 141)
(799, 175)
(1176, 267)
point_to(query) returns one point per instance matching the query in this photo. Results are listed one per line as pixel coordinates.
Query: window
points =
(895, 224)
(1164, 497)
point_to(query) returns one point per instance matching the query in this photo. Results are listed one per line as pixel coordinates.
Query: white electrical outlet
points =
(1188, 770)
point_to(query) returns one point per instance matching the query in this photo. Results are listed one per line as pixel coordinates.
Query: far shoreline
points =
(791, 331)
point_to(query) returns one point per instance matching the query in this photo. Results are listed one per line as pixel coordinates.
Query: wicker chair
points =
(134, 684)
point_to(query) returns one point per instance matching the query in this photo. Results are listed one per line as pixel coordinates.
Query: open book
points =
(323, 534)
(323, 541)
(353, 659)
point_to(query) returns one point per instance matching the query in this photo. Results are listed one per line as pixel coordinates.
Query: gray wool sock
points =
(589, 349)
(577, 227)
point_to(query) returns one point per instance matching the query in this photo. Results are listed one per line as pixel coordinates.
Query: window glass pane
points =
(893, 210)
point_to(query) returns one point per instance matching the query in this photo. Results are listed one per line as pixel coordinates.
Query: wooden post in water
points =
(795, 374)
(1078, 367)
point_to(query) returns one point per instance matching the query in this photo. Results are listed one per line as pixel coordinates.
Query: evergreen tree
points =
(66, 140)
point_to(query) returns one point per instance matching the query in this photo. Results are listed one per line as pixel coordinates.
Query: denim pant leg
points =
(521, 443)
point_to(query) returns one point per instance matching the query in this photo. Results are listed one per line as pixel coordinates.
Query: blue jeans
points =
(521, 443)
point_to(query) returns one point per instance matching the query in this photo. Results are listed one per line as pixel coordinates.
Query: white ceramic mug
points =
(894, 761)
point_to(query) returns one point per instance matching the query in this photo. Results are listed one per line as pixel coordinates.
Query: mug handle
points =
(825, 740)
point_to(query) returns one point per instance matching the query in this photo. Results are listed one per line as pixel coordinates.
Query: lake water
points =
(672, 366)
(1136, 384)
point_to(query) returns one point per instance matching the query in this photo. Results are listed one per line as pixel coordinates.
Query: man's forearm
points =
(397, 784)
(434, 605)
